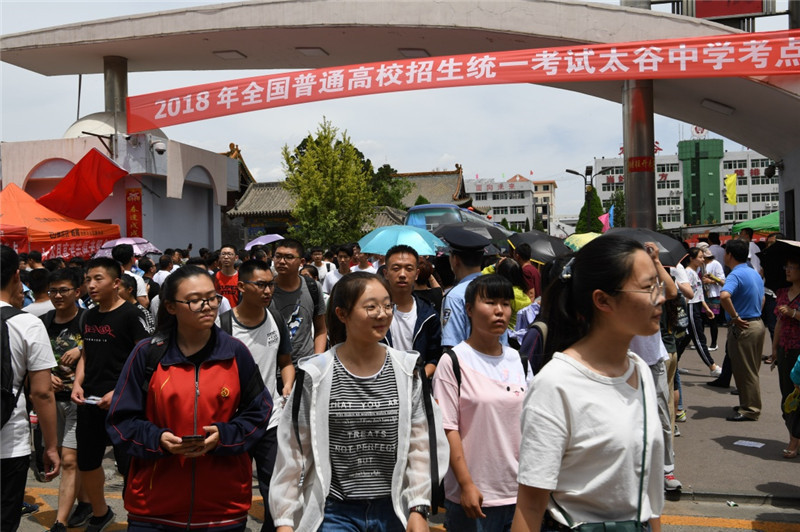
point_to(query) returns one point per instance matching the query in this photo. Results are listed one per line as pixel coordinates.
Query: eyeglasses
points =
(261, 285)
(374, 311)
(656, 292)
(196, 305)
(281, 257)
(790, 268)
(59, 291)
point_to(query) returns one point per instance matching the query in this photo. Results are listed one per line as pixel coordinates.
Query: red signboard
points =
(735, 55)
(133, 211)
(728, 8)
(641, 164)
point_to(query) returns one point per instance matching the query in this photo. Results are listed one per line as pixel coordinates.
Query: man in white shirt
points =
(362, 261)
(31, 354)
(323, 268)
(343, 257)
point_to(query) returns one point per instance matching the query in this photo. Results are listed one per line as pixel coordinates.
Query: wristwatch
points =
(423, 510)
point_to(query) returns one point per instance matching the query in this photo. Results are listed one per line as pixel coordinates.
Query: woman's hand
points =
(710, 313)
(175, 444)
(417, 523)
(471, 501)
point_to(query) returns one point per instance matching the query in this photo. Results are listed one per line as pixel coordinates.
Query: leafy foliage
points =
(618, 201)
(331, 184)
(595, 210)
(421, 200)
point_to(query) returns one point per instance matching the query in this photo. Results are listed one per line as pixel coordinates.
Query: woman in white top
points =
(697, 307)
(592, 448)
(481, 405)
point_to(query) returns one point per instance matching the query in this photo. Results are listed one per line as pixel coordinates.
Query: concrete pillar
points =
(638, 141)
(115, 76)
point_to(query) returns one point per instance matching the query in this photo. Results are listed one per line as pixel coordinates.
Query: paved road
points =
(717, 461)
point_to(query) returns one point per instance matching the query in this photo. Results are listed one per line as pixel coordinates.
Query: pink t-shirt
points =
(486, 414)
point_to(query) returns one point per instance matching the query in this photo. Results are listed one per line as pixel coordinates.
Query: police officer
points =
(466, 254)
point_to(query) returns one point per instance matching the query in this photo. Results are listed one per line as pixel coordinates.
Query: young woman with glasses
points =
(592, 446)
(353, 449)
(189, 426)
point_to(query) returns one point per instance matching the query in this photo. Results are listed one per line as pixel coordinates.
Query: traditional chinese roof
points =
(384, 216)
(437, 187)
(263, 199)
(245, 177)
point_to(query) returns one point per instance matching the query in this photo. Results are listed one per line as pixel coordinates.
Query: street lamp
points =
(587, 177)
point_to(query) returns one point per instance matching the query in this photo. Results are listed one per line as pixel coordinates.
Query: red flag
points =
(85, 186)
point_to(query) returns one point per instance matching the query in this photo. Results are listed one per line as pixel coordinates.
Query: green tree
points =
(595, 210)
(539, 225)
(527, 225)
(421, 200)
(326, 176)
(504, 223)
(618, 201)
(389, 189)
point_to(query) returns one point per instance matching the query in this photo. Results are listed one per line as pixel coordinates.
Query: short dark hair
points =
(38, 282)
(401, 248)
(524, 251)
(511, 271)
(223, 246)
(9, 265)
(128, 282)
(70, 275)
(145, 264)
(122, 253)
(164, 262)
(77, 262)
(738, 249)
(713, 238)
(747, 230)
(313, 269)
(108, 264)
(52, 265)
(35, 255)
(197, 261)
(489, 286)
(317, 249)
(471, 259)
(249, 266)
(291, 243)
(345, 248)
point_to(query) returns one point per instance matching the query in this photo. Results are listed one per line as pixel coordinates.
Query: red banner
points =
(133, 212)
(739, 55)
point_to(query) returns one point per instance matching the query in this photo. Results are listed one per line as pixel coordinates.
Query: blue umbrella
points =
(379, 240)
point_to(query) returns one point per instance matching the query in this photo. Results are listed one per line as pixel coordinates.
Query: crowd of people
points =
(371, 389)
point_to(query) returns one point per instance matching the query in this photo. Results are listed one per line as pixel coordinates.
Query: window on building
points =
(741, 198)
(728, 216)
(516, 209)
(741, 181)
(500, 210)
(545, 200)
(545, 188)
(760, 163)
(612, 169)
(517, 194)
(480, 196)
(734, 164)
(742, 215)
(499, 195)
(667, 167)
(764, 180)
(661, 201)
(612, 187)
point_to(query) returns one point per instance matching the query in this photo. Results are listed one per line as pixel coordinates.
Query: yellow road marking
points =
(719, 523)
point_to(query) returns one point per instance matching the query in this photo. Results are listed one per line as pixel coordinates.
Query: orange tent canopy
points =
(47, 231)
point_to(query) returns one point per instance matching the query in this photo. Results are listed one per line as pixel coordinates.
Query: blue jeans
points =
(373, 515)
(498, 518)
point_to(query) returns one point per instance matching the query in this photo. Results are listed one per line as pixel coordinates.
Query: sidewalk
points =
(710, 460)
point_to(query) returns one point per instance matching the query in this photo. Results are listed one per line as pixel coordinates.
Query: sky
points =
(494, 132)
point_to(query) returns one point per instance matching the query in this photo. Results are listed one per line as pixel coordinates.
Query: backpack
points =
(531, 349)
(48, 318)
(226, 319)
(437, 484)
(8, 399)
(457, 366)
(313, 289)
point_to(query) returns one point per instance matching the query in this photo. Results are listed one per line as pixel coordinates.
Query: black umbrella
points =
(544, 247)
(773, 259)
(670, 250)
(496, 233)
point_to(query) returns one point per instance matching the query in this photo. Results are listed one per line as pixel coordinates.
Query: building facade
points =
(520, 201)
(690, 185)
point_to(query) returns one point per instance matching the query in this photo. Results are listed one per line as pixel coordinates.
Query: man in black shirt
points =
(110, 332)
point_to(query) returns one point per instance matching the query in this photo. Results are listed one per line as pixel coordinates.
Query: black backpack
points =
(8, 399)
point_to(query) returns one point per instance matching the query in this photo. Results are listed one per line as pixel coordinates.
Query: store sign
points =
(717, 9)
(133, 212)
(736, 55)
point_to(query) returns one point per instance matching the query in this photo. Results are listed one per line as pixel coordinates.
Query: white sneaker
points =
(671, 483)
(716, 372)
(713, 348)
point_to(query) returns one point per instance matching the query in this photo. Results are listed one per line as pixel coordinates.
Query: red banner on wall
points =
(133, 211)
(740, 55)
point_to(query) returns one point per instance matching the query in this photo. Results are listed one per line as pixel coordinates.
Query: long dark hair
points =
(603, 264)
(511, 271)
(344, 295)
(166, 322)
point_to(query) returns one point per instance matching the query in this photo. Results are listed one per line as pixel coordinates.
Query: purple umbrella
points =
(141, 246)
(263, 240)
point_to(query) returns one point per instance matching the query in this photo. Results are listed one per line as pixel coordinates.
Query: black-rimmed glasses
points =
(196, 305)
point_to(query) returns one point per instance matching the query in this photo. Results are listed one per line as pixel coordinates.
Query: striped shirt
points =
(363, 418)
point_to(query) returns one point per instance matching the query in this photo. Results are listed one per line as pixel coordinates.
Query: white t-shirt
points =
(651, 348)
(402, 328)
(160, 276)
(486, 414)
(582, 439)
(39, 309)
(368, 269)
(264, 343)
(324, 269)
(141, 286)
(697, 286)
(331, 279)
(30, 351)
(715, 268)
